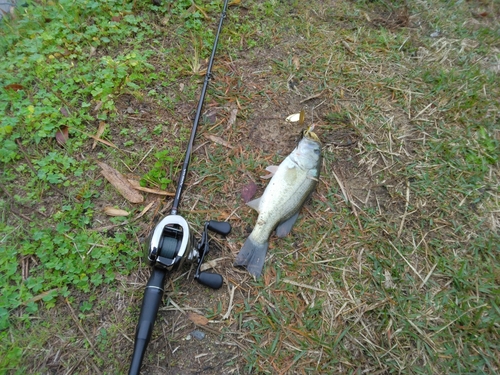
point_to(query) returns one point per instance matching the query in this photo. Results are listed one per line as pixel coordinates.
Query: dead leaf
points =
(232, 118)
(111, 211)
(64, 111)
(211, 264)
(234, 2)
(211, 117)
(40, 296)
(248, 191)
(219, 140)
(14, 87)
(121, 184)
(348, 47)
(201, 10)
(62, 135)
(296, 62)
(314, 96)
(137, 186)
(208, 265)
(107, 143)
(197, 319)
(146, 209)
(98, 106)
(479, 14)
(100, 130)
(293, 118)
(388, 282)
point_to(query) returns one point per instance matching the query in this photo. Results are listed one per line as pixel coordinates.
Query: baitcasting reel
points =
(172, 243)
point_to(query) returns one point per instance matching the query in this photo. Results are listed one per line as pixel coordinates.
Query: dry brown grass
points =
(393, 265)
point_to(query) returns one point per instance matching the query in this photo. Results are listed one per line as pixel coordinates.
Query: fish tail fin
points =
(252, 256)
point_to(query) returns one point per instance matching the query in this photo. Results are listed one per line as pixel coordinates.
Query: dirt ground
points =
(259, 129)
(262, 86)
(264, 132)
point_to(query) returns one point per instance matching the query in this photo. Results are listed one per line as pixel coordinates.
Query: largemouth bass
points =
(292, 183)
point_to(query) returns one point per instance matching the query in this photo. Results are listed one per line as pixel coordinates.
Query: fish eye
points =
(317, 151)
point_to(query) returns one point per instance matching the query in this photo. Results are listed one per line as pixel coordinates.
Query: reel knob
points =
(212, 280)
(220, 227)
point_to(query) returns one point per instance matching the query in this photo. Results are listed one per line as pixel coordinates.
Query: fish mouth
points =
(308, 133)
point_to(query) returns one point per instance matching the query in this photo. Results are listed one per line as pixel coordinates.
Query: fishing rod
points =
(172, 242)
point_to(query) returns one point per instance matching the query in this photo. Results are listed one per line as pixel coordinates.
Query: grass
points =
(393, 266)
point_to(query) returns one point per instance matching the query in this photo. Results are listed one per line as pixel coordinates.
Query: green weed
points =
(161, 173)
(393, 264)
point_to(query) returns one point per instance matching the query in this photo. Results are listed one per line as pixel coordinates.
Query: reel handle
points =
(212, 280)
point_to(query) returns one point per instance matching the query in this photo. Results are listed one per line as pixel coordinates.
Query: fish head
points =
(308, 151)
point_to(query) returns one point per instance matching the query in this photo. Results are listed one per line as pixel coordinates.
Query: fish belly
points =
(283, 197)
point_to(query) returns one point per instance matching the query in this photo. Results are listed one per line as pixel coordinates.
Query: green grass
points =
(400, 276)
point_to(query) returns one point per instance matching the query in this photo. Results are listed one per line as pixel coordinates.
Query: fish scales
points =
(283, 197)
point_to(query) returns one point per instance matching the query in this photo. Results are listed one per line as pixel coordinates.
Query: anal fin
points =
(254, 204)
(286, 226)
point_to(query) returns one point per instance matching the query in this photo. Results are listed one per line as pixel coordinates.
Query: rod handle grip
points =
(150, 304)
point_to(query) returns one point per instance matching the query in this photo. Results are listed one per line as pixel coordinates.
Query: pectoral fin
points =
(272, 170)
(286, 226)
(254, 204)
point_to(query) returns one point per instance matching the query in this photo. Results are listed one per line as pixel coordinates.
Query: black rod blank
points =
(189, 150)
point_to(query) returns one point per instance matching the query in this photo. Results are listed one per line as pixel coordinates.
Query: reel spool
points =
(171, 242)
